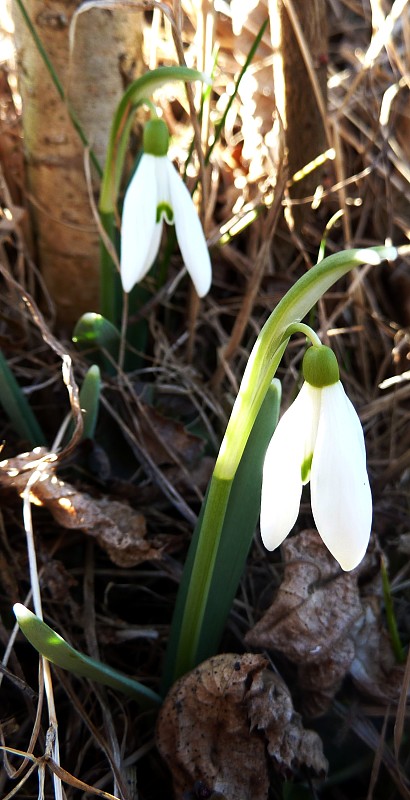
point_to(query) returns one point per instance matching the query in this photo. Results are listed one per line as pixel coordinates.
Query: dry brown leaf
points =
(209, 730)
(118, 528)
(291, 747)
(373, 668)
(320, 680)
(315, 606)
(319, 621)
(166, 438)
(256, 89)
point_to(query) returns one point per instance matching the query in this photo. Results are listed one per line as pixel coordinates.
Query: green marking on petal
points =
(305, 468)
(320, 367)
(164, 211)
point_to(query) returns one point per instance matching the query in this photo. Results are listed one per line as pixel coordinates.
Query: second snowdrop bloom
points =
(157, 193)
(320, 439)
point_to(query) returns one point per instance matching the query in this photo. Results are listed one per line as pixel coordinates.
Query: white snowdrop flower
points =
(157, 193)
(319, 438)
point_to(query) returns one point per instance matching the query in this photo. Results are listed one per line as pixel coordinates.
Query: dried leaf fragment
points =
(118, 528)
(373, 667)
(315, 605)
(209, 729)
(319, 621)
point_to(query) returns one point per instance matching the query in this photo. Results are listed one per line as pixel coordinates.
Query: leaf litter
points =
(329, 626)
(119, 529)
(227, 723)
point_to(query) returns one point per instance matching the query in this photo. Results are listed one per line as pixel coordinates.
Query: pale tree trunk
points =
(296, 100)
(106, 56)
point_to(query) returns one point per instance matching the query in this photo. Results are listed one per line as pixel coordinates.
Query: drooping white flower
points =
(320, 439)
(157, 193)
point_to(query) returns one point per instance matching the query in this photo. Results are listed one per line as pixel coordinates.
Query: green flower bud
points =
(156, 138)
(320, 367)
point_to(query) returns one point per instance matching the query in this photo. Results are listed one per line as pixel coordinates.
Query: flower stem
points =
(301, 327)
(201, 575)
(110, 285)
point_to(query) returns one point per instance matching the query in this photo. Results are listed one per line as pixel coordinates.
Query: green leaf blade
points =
(17, 407)
(56, 650)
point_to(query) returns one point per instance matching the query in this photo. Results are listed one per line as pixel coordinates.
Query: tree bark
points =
(105, 57)
(295, 98)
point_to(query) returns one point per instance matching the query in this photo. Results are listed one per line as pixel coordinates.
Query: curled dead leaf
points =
(373, 667)
(319, 621)
(315, 605)
(119, 529)
(219, 722)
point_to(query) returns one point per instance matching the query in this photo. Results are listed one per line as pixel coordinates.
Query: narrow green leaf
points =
(55, 649)
(17, 407)
(236, 537)
(110, 281)
(89, 403)
(239, 525)
(90, 400)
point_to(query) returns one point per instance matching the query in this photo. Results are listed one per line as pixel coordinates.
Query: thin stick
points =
(52, 735)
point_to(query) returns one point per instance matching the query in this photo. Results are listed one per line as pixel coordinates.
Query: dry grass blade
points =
(402, 710)
(39, 762)
(67, 367)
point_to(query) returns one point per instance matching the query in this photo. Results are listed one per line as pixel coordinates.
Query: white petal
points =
(340, 491)
(189, 233)
(282, 480)
(152, 250)
(139, 230)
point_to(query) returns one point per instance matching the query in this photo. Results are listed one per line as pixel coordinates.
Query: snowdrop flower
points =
(319, 438)
(157, 193)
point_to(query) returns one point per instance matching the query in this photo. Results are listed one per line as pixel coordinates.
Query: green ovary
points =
(320, 367)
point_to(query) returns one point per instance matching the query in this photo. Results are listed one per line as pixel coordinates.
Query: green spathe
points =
(156, 138)
(320, 367)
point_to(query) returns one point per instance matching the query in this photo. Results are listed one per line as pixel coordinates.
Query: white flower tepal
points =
(157, 193)
(320, 439)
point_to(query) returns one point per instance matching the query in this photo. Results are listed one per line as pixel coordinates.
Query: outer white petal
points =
(340, 491)
(152, 250)
(139, 231)
(282, 481)
(189, 233)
